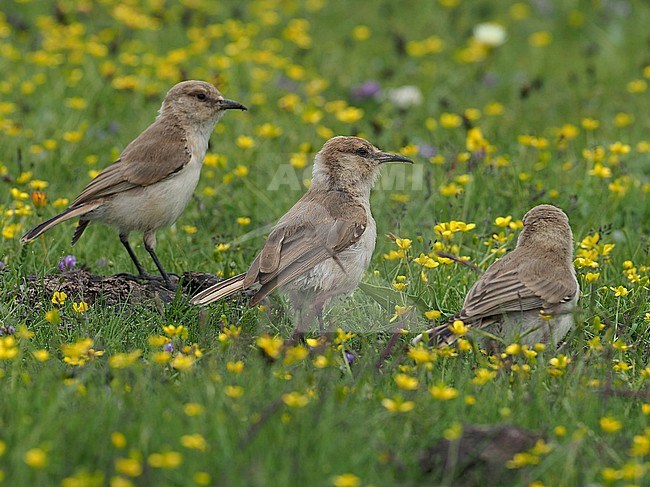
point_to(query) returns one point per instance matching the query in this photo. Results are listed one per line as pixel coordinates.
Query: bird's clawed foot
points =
(144, 276)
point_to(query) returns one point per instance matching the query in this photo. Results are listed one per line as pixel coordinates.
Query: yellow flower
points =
(397, 405)
(609, 424)
(433, 314)
(183, 362)
(503, 221)
(59, 297)
(41, 355)
(8, 348)
(623, 119)
(346, 480)
(272, 346)
(600, 171)
(458, 328)
(637, 86)
(245, 142)
(591, 276)
(421, 355)
(450, 120)
(523, 459)
(194, 442)
(406, 382)
(78, 352)
(349, 115)
(35, 458)
(361, 33)
(243, 221)
(394, 255)
(193, 409)
(399, 311)
(483, 376)
(298, 160)
(128, 466)
(295, 399)
(172, 331)
(620, 291)
(235, 367)
(540, 39)
(403, 243)
(169, 459)
(80, 307)
(589, 124)
(442, 392)
(450, 189)
(268, 131)
(124, 360)
(190, 229)
(202, 478)
(118, 440)
(9, 231)
(233, 391)
(475, 140)
(76, 103)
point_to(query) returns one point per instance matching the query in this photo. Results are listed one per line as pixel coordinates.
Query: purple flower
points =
(7, 330)
(168, 347)
(350, 357)
(366, 90)
(102, 262)
(68, 263)
(427, 151)
(2, 265)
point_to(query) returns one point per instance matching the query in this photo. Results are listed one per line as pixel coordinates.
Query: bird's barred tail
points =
(220, 290)
(55, 220)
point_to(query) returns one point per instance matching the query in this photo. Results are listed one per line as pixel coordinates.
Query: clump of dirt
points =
(81, 285)
(479, 456)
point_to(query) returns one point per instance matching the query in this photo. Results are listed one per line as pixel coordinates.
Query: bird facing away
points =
(150, 184)
(321, 247)
(531, 293)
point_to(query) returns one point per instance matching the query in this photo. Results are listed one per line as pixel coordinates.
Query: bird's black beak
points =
(382, 157)
(226, 104)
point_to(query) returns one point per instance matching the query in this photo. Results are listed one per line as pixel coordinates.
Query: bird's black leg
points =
(163, 273)
(125, 241)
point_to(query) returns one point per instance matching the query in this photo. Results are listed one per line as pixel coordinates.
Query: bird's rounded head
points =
(546, 226)
(350, 163)
(197, 102)
(546, 213)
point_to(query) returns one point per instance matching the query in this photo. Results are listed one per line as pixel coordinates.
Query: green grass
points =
(337, 422)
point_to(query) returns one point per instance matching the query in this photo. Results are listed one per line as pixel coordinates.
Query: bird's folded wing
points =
(502, 290)
(293, 250)
(155, 155)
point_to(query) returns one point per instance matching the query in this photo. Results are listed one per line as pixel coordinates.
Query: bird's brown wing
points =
(307, 235)
(158, 152)
(507, 287)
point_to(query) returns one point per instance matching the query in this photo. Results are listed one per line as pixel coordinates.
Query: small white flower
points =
(490, 34)
(405, 96)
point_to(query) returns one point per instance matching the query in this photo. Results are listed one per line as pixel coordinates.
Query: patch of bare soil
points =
(81, 285)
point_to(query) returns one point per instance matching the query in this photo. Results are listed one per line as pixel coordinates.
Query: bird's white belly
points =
(328, 279)
(155, 206)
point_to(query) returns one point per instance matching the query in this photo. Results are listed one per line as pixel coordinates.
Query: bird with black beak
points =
(150, 184)
(321, 247)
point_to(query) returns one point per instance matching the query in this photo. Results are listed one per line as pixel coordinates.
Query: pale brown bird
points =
(150, 184)
(321, 247)
(530, 294)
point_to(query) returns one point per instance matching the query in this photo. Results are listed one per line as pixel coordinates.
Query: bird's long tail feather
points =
(55, 220)
(220, 290)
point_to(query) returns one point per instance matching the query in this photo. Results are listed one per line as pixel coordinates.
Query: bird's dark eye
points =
(201, 96)
(362, 151)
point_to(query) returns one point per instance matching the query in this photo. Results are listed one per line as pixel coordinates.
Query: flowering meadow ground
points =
(503, 105)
